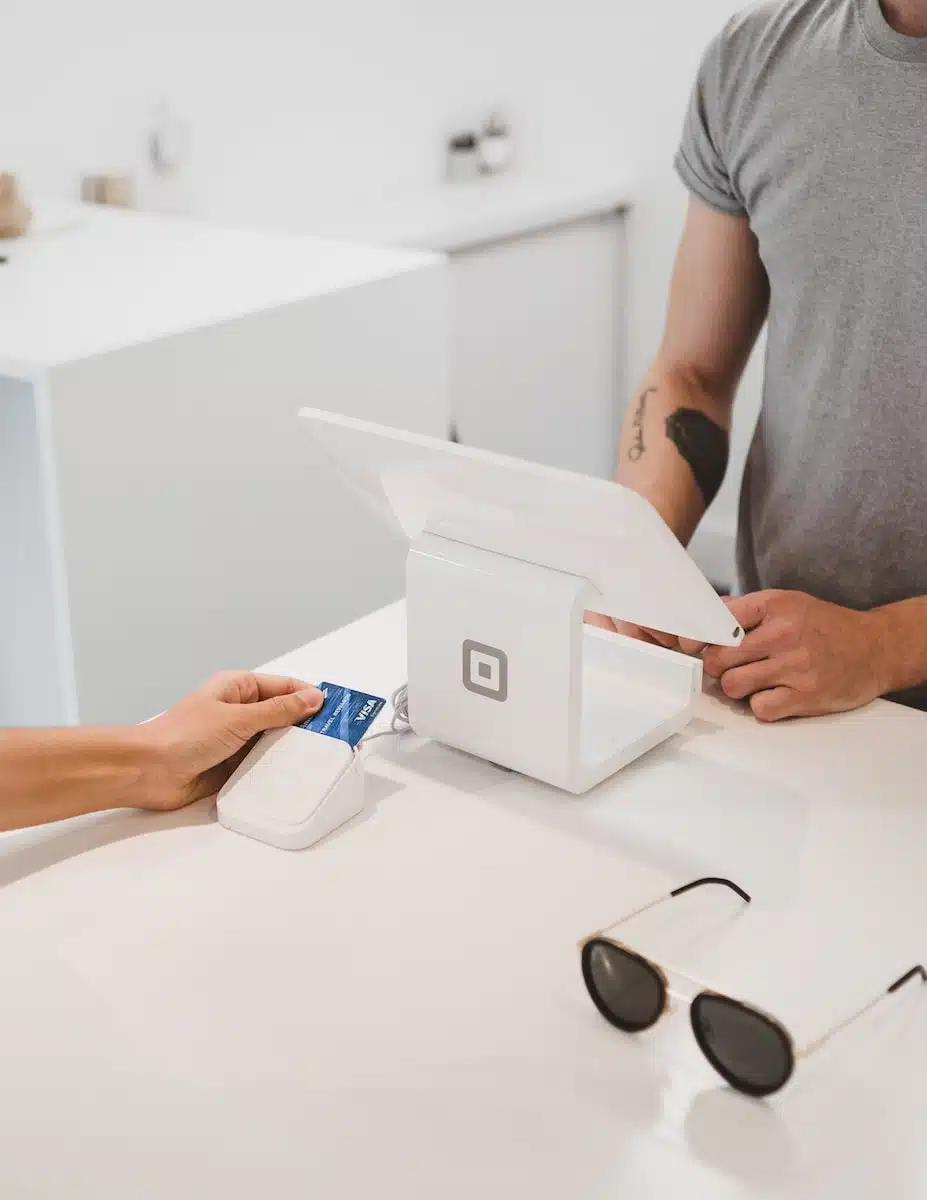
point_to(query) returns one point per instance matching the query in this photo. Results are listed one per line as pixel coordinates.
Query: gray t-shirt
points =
(810, 116)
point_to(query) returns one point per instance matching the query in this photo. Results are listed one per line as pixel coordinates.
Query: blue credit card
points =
(346, 714)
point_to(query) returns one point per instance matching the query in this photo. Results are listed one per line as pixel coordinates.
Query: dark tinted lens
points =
(749, 1050)
(626, 989)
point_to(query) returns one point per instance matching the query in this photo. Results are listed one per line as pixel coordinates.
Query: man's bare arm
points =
(801, 655)
(901, 644)
(674, 441)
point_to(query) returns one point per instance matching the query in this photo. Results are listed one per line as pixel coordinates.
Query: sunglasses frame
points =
(587, 944)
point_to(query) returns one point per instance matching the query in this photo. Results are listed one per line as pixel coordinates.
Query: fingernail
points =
(313, 698)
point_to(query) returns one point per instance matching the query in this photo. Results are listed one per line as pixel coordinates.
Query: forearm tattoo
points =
(704, 446)
(636, 449)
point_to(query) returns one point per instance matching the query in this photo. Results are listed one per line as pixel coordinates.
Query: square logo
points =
(485, 671)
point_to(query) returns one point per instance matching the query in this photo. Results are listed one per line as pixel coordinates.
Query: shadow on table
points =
(28, 851)
(850, 1120)
(441, 764)
(672, 808)
(376, 788)
(746, 1139)
(687, 815)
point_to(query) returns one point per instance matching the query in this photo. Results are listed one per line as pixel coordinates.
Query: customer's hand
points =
(195, 746)
(801, 656)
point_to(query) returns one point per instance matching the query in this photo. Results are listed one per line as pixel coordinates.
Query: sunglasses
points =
(749, 1049)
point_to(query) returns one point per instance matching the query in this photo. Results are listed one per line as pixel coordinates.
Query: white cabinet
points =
(537, 351)
(537, 312)
(162, 515)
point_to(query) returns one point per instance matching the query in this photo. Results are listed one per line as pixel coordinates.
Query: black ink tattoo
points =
(704, 446)
(636, 449)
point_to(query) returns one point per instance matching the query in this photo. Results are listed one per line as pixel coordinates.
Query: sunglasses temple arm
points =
(812, 1047)
(686, 887)
(637, 912)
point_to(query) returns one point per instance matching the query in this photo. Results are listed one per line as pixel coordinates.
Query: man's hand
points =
(196, 745)
(640, 634)
(801, 657)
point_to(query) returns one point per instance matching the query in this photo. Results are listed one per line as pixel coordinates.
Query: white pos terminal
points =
(505, 558)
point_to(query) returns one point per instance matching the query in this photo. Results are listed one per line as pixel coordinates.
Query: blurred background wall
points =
(293, 104)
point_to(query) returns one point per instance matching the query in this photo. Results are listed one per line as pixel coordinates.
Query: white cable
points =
(400, 702)
(400, 724)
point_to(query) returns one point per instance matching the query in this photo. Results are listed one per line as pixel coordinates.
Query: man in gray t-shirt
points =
(805, 153)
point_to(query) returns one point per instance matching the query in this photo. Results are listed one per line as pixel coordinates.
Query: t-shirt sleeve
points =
(700, 159)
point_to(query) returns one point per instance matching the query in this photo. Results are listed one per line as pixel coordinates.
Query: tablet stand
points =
(502, 666)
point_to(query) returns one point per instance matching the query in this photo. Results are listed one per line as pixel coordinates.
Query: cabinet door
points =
(537, 351)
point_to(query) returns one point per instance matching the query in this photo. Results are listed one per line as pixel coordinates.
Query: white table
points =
(399, 1012)
(153, 478)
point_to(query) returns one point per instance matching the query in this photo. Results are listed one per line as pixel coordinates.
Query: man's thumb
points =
(280, 711)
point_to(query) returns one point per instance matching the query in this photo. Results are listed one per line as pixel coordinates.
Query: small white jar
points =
(495, 146)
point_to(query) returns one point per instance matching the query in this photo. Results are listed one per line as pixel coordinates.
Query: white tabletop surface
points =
(399, 1012)
(88, 279)
(451, 216)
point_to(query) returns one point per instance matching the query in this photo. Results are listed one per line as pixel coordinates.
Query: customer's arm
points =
(675, 437)
(187, 753)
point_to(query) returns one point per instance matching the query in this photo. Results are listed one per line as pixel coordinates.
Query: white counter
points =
(92, 280)
(399, 1011)
(454, 216)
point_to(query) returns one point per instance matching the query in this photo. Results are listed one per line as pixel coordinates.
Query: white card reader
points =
(293, 789)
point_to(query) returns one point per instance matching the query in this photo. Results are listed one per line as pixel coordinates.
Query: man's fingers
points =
(740, 682)
(668, 640)
(775, 704)
(653, 637)
(756, 646)
(626, 629)
(749, 610)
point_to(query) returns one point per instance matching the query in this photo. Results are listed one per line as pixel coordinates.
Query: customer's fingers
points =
(245, 687)
(280, 685)
(278, 711)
